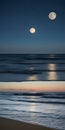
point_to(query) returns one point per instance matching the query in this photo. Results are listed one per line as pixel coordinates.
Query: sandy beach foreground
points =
(9, 124)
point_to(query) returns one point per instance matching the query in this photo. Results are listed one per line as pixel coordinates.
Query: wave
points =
(16, 67)
(31, 58)
(31, 72)
(43, 95)
(59, 95)
(35, 101)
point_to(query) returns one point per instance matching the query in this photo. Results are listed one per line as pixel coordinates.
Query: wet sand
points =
(9, 124)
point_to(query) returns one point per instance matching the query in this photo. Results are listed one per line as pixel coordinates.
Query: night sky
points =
(18, 16)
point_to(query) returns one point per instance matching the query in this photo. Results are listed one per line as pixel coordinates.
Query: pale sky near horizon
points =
(46, 86)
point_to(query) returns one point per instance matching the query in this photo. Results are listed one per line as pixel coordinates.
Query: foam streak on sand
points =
(9, 124)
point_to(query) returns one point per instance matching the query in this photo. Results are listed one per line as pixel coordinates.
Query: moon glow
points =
(52, 15)
(32, 30)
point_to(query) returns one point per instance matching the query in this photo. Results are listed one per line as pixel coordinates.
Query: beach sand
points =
(9, 124)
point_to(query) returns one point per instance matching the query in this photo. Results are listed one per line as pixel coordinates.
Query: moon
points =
(52, 15)
(32, 30)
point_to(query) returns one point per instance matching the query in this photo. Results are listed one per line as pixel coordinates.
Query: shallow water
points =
(47, 109)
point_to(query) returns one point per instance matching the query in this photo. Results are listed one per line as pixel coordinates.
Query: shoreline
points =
(10, 124)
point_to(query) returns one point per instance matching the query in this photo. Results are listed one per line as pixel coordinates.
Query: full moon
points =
(32, 30)
(52, 15)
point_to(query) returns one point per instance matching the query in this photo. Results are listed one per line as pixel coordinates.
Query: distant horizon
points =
(35, 53)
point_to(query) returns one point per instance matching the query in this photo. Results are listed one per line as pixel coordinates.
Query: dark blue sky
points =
(18, 16)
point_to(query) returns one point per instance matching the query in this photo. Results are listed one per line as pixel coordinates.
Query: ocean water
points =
(45, 108)
(48, 108)
(30, 67)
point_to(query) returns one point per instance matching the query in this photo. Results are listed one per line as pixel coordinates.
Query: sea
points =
(32, 67)
(44, 108)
